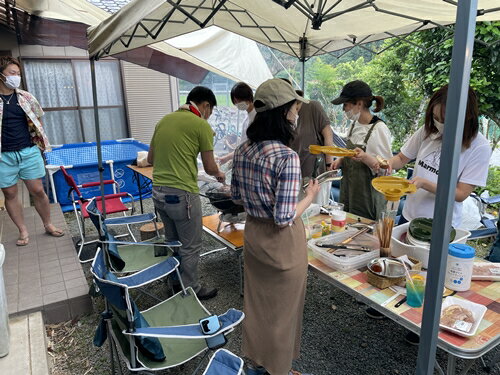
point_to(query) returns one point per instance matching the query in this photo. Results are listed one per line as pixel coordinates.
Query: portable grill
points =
(229, 212)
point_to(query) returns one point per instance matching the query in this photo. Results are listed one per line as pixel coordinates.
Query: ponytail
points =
(367, 102)
(379, 103)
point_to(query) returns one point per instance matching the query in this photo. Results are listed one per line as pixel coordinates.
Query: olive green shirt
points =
(178, 139)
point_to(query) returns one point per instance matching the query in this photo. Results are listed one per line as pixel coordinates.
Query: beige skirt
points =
(274, 287)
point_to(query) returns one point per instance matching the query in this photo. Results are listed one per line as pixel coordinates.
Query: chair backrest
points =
(114, 258)
(116, 293)
(108, 284)
(71, 182)
(96, 217)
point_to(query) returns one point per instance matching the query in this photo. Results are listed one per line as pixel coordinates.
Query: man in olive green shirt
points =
(178, 139)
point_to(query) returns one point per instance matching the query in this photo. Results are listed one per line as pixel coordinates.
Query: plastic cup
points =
(415, 289)
(316, 231)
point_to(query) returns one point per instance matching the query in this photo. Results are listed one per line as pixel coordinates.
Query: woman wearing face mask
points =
(370, 136)
(22, 138)
(425, 147)
(266, 180)
(242, 98)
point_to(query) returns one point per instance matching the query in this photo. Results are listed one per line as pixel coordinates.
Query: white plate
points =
(494, 274)
(477, 310)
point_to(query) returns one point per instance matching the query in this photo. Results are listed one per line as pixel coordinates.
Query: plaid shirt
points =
(34, 112)
(266, 177)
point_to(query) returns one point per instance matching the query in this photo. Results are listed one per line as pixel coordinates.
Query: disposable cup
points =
(415, 289)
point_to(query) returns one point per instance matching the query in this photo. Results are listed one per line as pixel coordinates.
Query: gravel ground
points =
(338, 338)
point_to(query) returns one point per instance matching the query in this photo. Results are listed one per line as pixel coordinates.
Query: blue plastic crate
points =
(83, 159)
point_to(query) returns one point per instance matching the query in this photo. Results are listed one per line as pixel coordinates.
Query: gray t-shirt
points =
(312, 120)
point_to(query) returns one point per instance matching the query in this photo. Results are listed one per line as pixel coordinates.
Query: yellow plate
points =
(331, 150)
(393, 187)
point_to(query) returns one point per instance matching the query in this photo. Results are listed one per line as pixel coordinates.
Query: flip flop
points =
(23, 241)
(55, 233)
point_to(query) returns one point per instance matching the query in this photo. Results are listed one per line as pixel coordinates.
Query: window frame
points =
(79, 108)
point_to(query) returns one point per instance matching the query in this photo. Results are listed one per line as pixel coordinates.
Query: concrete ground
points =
(28, 347)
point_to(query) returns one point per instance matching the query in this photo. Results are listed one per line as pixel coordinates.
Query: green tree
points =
(433, 65)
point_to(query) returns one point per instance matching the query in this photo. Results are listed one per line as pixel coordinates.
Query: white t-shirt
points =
(380, 141)
(246, 124)
(472, 169)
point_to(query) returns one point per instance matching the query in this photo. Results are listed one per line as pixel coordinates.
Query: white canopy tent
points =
(303, 30)
(292, 26)
(200, 48)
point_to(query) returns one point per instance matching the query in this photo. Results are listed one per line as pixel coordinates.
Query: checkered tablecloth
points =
(486, 293)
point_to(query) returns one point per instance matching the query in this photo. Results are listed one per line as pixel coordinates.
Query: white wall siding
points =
(149, 97)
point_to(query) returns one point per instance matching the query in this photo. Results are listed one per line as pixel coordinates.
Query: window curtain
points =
(66, 87)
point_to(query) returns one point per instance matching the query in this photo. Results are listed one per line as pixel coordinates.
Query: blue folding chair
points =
(223, 362)
(164, 336)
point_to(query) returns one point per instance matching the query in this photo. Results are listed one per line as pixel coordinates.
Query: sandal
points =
(23, 241)
(54, 233)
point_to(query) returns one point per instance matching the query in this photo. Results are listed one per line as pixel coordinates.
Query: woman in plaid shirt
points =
(266, 180)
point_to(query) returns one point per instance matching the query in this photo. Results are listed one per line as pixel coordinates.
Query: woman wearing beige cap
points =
(266, 180)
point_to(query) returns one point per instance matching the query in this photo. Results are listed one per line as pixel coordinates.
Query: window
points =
(64, 90)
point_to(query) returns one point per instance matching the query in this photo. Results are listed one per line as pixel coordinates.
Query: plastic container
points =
(341, 263)
(459, 267)
(400, 247)
(338, 220)
(486, 271)
(477, 310)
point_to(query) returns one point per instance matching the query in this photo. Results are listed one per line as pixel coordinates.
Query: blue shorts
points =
(26, 164)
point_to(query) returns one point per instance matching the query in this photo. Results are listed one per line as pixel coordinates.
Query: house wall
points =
(149, 95)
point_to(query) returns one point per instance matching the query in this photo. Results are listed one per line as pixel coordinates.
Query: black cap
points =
(353, 90)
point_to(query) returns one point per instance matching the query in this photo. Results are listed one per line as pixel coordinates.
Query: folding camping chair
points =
(127, 257)
(113, 204)
(223, 362)
(164, 336)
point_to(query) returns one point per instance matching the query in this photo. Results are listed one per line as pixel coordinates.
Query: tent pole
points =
(97, 133)
(303, 75)
(448, 166)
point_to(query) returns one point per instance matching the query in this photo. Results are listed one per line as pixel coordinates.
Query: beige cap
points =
(274, 93)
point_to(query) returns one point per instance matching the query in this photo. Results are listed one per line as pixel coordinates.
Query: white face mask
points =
(293, 119)
(353, 116)
(439, 126)
(12, 82)
(242, 106)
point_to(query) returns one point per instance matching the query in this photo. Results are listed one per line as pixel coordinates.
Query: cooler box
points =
(80, 160)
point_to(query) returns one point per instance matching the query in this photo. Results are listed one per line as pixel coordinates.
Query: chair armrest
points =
(151, 273)
(164, 244)
(491, 200)
(111, 196)
(228, 321)
(134, 219)
(97, 183)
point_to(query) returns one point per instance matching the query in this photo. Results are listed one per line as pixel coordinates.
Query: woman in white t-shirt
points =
(425, 147)
(370, 137)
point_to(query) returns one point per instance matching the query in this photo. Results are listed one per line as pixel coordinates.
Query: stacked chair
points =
(166, 335)
(113, 204)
